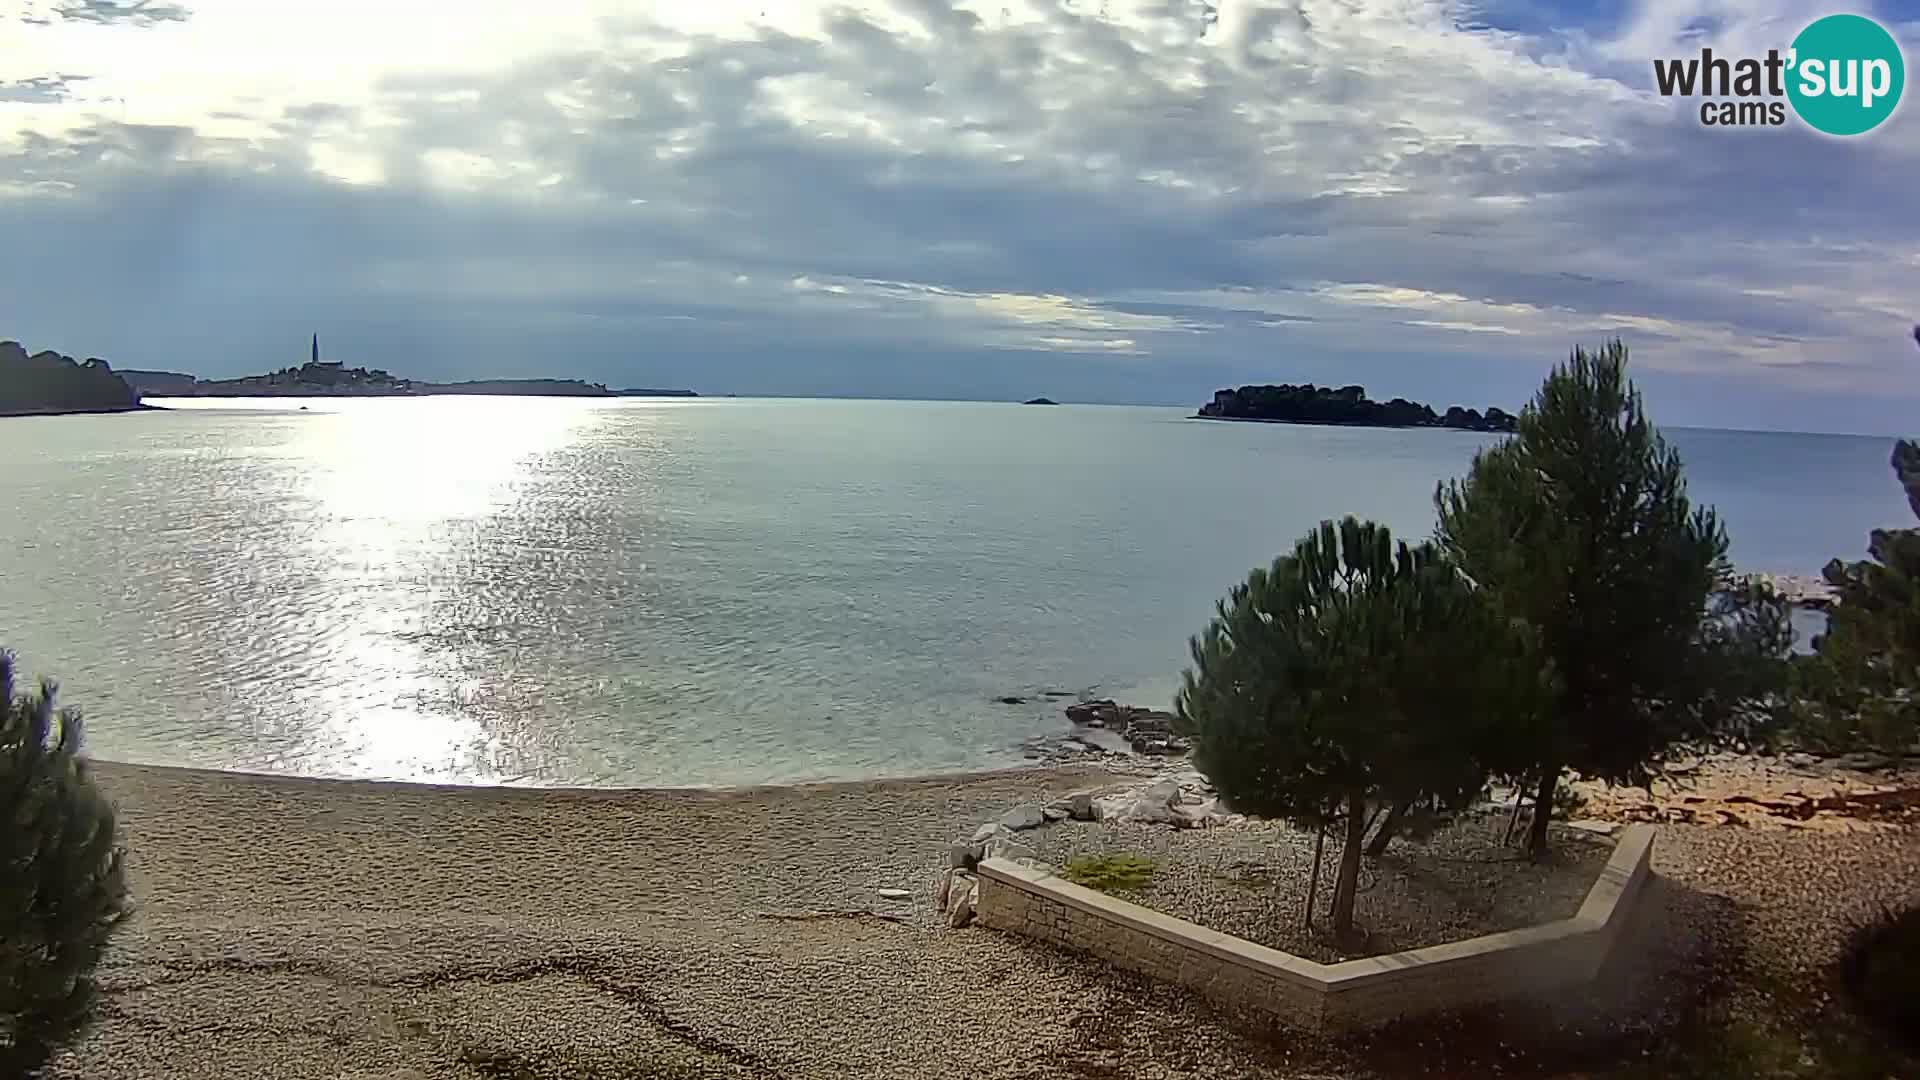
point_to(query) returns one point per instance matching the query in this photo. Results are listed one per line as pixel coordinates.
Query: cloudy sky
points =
(1118, 201)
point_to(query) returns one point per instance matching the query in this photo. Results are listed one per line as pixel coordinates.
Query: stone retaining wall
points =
(1262, 983)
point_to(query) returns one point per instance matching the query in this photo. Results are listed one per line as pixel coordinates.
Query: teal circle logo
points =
(1845, 74)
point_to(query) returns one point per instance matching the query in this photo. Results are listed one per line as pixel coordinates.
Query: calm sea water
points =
(700, 592)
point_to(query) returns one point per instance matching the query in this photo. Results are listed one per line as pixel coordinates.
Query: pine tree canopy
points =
(1352, 664)
(1579, 526)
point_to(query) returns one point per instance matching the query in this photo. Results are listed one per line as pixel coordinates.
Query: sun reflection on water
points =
(397, 493)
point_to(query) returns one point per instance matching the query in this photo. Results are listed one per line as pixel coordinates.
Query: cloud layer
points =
(1121, 201)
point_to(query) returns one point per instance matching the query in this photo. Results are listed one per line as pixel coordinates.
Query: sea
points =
(705, 592)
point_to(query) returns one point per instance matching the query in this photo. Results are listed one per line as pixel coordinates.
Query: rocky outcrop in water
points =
(1148, 731)
(47, 383)
(1349, 405)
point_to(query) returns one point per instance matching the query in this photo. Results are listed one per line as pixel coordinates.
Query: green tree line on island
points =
(1310, 404)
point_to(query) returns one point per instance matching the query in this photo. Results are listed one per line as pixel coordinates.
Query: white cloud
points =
(1462, 326)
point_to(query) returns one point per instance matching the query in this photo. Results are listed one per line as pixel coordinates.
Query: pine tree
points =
(1349, 674)
(62, 886)
(1579, 526)
(1861, 688)
(1862, 685)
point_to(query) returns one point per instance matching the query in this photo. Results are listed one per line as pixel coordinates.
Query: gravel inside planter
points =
(1251, 881)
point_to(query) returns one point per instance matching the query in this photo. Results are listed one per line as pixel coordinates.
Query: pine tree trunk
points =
(1313, 883)
(1348, 885)
(1542, 811)
(1388, 826)
(1519, 800)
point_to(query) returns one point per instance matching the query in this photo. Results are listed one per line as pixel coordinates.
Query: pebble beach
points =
(292, 928)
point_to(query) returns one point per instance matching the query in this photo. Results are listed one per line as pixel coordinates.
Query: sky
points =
(1132, 201)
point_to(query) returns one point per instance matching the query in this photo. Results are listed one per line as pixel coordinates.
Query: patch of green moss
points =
(1110, 873)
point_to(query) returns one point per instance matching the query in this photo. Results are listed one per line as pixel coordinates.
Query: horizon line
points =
(703, 395)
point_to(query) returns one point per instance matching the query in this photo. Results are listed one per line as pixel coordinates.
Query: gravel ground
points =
(1251, 881)
(1729, 973)
(289, 929)
(1797, 895)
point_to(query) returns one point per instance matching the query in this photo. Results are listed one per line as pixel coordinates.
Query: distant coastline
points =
(315, 379)
(332, 378)
(48, 383)
(1347, 406)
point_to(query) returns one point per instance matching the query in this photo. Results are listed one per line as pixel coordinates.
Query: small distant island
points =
(1040, 401)
(48, 384)
(332, 378)
(1348, 405)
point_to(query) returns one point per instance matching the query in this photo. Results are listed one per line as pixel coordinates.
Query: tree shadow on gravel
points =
(1143, 1027)
(1680, 1001)
(1500, 887)
(1675, 963)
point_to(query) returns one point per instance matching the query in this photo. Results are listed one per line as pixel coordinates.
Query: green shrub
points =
(1110, 873)
(62, 885)
(1881, 971)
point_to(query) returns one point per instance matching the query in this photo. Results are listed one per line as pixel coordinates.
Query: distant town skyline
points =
(1120, 202)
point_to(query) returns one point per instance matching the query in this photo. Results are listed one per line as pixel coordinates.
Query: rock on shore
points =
(1181, 799)
(1852, 793)
(1147, 731)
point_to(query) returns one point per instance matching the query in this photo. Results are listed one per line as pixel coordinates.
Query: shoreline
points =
(109, 411)
(1039, 771)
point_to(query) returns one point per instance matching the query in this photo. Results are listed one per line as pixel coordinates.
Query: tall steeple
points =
(316, 348)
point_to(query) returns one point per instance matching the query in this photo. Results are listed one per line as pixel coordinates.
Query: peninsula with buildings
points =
(1348, 405)
(332, 378)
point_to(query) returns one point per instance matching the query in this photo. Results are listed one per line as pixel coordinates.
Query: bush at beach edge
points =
(62, 879)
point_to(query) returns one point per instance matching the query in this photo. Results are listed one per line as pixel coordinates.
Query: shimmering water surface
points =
(699, 592)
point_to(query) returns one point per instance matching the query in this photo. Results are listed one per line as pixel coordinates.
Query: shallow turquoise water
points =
(700, 592)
